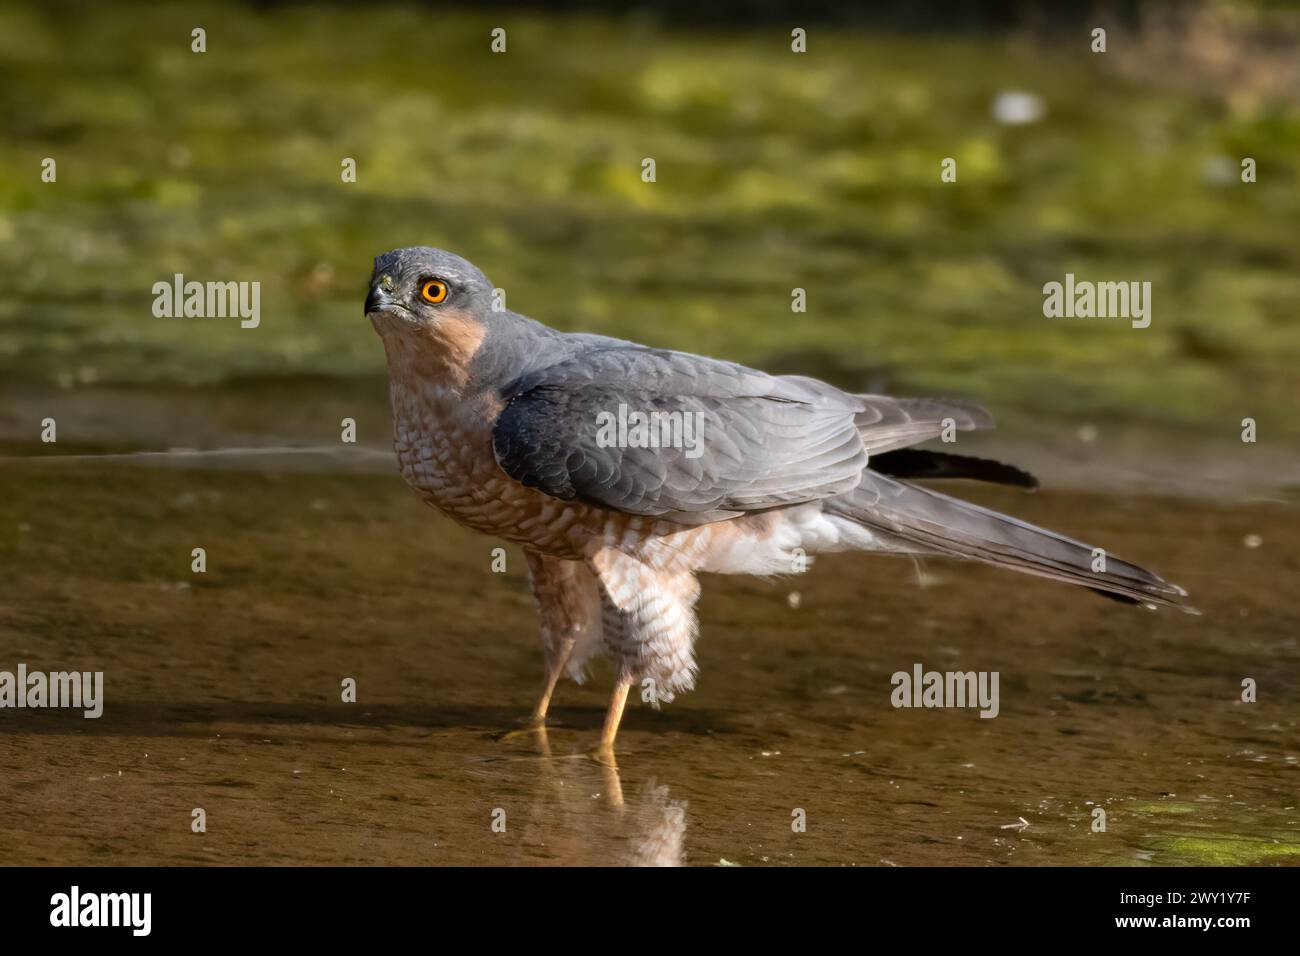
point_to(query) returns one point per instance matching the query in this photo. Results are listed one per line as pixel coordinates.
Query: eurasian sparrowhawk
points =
(497, 422)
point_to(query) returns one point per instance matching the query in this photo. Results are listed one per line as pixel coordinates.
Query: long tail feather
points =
(943, 525)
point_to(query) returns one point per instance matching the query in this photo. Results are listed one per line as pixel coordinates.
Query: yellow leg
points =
(553, 678)
(537, 722)
(612, 719)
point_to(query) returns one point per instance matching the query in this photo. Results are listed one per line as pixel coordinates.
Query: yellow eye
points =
(434, 290)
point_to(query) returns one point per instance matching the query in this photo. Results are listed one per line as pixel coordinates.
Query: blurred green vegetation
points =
(774, 170)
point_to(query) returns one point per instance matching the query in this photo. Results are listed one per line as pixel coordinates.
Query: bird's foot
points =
(532, 725)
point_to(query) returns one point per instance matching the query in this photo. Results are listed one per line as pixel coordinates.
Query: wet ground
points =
(223, 689)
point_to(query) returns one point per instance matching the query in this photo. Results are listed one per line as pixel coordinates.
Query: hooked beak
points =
(376, 300)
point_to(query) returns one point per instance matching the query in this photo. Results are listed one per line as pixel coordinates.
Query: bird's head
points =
(422, 287)
(432, 309)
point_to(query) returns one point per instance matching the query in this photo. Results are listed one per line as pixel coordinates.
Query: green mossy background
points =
(774, 170)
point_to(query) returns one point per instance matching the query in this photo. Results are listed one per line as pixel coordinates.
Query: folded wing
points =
(730, 439)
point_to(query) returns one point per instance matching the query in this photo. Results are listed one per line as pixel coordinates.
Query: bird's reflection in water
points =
(659, 833)
(647, 828)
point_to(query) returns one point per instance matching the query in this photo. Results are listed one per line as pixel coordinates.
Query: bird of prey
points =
(504, 424)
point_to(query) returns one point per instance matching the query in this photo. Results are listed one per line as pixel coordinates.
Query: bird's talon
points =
(532, 727)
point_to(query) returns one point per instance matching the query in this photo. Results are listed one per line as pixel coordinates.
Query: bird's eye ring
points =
(433, 290)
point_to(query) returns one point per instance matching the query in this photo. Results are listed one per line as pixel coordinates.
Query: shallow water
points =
(222, 691)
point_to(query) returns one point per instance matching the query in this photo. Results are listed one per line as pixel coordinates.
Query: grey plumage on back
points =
(767, 441)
